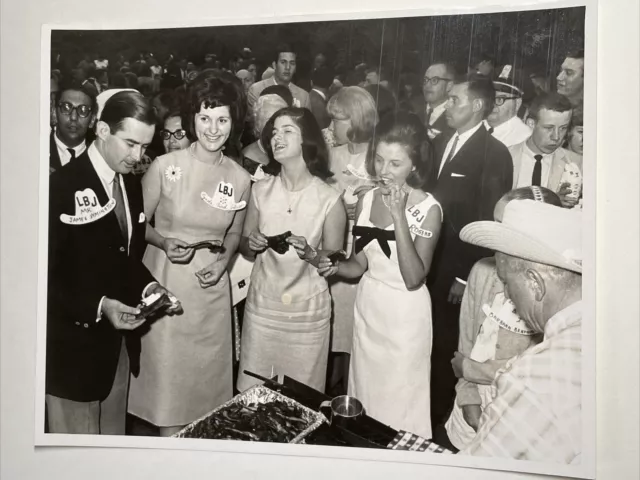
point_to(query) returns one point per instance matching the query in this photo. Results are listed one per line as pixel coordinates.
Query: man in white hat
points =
(504, 121)
(536, 412)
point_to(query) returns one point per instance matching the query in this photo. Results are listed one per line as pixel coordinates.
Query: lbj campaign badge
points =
(223, 198)
(88, 208)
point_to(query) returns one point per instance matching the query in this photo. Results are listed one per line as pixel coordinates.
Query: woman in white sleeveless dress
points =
(396, 232)
(286, 322)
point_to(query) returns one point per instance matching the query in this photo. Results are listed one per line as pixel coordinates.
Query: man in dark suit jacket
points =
(436, 85)
(321, 80)
(75, 109)
(474, 171)
(96, 276)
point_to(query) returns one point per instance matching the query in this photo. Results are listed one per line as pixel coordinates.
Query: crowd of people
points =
(393, 198)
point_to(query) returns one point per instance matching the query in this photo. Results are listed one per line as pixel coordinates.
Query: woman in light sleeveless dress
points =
(396, 232)
(353, 116)
(288, 307)
(195, 194)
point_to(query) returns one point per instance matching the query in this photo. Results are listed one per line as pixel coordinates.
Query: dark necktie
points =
(364, 235)
(428, 116)
(120, 209)
(452, 152)
(73, 154)
(536, 178)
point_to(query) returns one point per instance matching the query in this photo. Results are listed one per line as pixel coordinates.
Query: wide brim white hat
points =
(534, 231)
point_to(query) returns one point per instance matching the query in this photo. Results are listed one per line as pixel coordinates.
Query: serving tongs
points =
(269, 382)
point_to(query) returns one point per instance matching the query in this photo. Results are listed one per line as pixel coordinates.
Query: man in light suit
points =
(284, 67)
(436, 85)
(96, 277)
(541, 160)
(473, 171)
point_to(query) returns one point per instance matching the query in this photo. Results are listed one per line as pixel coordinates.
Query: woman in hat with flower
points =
(195, 194)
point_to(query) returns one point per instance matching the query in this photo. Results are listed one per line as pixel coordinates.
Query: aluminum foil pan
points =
(262, 395)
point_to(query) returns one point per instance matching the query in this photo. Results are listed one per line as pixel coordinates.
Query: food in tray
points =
(279, 242)
(275, 421)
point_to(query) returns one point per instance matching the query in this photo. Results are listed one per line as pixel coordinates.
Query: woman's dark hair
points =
(215, 88)
(314, 149)
(125, 105)
(280, 90)
(406, 130)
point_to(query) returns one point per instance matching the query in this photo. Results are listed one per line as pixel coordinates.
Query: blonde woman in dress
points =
(354, 117)
(288, 307)
(396, 232)
(195, 194)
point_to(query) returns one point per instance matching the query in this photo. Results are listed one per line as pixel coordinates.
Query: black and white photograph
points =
(366, 232)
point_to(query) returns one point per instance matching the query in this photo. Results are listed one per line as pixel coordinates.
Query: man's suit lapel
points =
(473, 144)
(558, 163)
(93, 181)
(516, 158)
(54, 156)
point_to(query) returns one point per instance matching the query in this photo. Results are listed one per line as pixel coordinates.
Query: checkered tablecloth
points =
(409, 441)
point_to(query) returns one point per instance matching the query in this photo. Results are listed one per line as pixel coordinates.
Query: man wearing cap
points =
(540, 160)
(504, 121)
(536, 412)
(96, 277)
(473, 171)
(284, 69)
(75, 110)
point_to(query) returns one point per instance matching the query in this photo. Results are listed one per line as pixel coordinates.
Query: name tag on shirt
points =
(88, 208)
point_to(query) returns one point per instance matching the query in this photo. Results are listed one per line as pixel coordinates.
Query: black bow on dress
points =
(367, 234)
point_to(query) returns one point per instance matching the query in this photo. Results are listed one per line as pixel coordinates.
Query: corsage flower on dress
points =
(173, 173)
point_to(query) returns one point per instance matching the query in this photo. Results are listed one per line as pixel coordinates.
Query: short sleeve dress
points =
(186, 360)
(288, 307)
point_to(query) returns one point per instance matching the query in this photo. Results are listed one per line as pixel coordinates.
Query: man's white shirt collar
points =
(437, 112)
(101, 167)
(63, 150)
(324, 97)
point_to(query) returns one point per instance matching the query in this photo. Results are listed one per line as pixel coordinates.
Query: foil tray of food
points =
(259, 414)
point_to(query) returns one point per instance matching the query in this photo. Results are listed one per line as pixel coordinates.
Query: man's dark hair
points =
(284, 48)
(125, 105)
(68, 83)
(385, 101)
(450, 69)
(577, 53)
(322, 77)
(480, 87)
(549, 101)
(215, 88)
(280, 90)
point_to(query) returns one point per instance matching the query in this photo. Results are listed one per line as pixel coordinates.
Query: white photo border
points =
(587, 467)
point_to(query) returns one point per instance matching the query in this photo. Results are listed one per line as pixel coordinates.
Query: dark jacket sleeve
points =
(73, 293)
(495, 180)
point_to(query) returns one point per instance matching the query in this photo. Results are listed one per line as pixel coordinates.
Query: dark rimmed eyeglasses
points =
(66, 108)
(435, 80)
(500, 100)
(178, 134)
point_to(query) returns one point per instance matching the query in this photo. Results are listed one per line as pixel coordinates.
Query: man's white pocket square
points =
(142, 218)
(457, 175)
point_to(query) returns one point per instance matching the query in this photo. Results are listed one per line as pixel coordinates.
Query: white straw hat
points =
(534, 231)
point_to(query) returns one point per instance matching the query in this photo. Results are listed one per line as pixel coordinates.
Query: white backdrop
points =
(617, 331)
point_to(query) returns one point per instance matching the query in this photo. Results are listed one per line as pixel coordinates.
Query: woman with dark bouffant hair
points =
(196, 194)
(288, 306)
(396, 232)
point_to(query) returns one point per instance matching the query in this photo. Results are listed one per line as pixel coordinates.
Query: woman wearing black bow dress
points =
(396, 233)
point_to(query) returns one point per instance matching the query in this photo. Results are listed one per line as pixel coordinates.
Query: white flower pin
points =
(173, 173)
